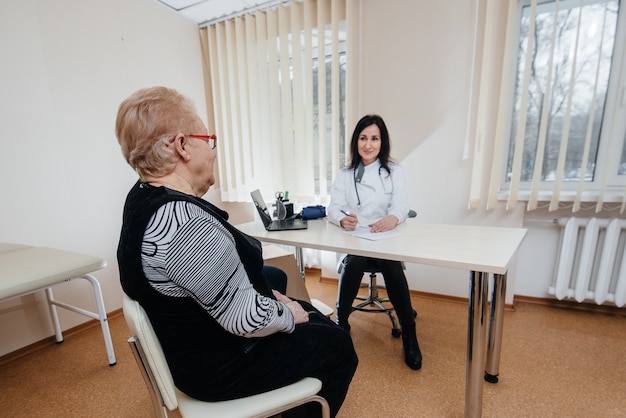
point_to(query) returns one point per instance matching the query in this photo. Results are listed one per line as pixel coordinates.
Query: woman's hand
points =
(280, 297)
(385, 224)
(299, 314)
(350, 222)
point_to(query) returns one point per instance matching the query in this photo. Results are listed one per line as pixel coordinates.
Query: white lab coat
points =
(379, 192)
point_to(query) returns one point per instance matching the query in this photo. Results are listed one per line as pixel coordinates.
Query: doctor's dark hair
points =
(385, 145)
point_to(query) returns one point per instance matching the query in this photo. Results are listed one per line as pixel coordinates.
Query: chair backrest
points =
(140, 327)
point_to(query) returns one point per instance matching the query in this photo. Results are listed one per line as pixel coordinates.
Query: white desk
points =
(481, 250)
(25, 270)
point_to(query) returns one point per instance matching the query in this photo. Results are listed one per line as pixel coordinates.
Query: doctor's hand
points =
(387, 223)
(350, 222)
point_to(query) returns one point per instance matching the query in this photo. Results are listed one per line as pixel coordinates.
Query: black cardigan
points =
(199, 352)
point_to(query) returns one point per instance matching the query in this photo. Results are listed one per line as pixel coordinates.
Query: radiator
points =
(591, 263)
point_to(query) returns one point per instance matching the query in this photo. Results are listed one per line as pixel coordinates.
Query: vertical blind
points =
(526, 173)
(276, 129)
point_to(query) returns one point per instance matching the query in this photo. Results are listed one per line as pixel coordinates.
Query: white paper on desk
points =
(365, 233)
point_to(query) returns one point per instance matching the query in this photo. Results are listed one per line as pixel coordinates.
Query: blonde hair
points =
(146, 121)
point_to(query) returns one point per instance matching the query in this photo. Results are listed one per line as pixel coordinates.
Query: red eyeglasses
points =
(209, 139)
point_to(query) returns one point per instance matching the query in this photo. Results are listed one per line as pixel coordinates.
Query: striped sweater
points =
(186, 252)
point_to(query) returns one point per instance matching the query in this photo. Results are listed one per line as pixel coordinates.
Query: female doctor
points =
(372, 192)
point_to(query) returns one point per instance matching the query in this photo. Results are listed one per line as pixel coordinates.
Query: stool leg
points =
(373, 288)
(395, 330)
(373, 299)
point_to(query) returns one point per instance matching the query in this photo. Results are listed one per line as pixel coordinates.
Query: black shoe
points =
(412, 353)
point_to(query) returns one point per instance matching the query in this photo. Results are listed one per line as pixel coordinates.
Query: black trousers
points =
(318, 348)
(395, 281)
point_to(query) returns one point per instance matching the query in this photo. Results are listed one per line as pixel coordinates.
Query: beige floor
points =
(555, 363)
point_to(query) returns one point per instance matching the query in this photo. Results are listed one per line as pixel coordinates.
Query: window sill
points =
(610, 196)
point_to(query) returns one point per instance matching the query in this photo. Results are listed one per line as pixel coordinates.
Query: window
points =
(339, 140)
(572, 51)
(560, 133)
(280, 112)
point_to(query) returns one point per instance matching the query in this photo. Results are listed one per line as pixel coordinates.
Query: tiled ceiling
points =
(203, 11)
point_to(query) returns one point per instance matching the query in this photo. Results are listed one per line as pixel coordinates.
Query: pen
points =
(345, 212)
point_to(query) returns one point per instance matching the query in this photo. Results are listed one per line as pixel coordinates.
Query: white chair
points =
(151, 361)
(322, 307)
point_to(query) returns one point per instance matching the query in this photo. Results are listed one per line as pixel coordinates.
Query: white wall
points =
(66, 66)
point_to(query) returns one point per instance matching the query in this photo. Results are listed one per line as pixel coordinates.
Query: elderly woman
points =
(224, 332)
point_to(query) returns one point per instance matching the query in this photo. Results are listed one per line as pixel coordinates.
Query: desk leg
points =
(300, 260)
(496, 318)
(476, 336)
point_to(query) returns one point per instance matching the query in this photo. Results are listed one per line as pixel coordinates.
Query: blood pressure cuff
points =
(313, 212)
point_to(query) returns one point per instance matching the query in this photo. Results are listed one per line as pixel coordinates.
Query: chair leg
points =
(157, 401)
(315, 398)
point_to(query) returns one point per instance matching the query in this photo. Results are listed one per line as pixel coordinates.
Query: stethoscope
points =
(358, 175)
